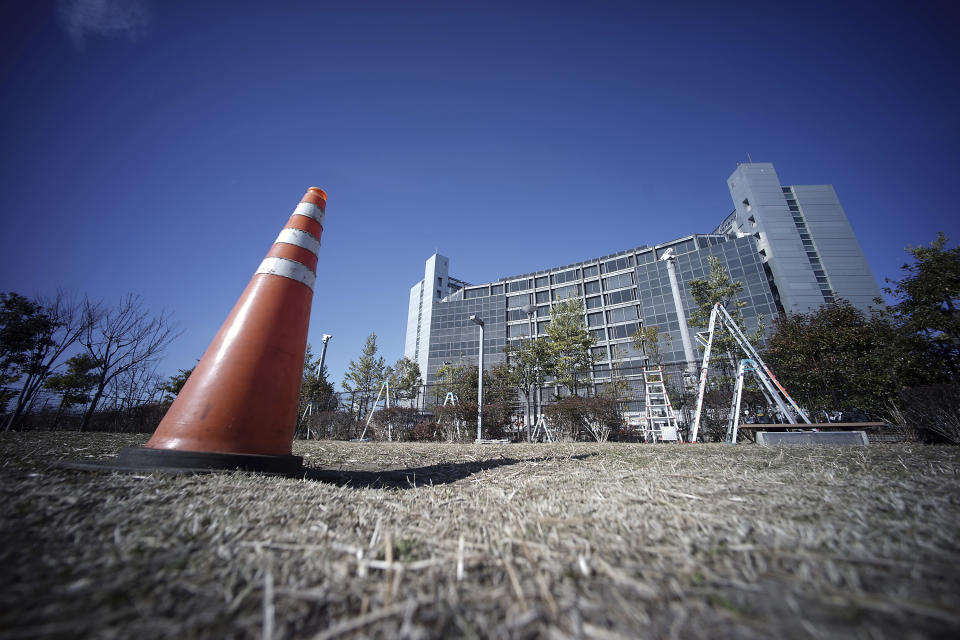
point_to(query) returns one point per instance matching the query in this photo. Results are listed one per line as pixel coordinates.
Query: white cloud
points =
(127, 19)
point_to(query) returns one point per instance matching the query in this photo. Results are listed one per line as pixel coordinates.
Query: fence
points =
(115, 412)
(347, 415)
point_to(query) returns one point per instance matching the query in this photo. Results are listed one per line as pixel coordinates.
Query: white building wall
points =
(413, 320)
(433, 287)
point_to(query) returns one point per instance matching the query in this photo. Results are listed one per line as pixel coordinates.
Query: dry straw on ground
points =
(516, 541)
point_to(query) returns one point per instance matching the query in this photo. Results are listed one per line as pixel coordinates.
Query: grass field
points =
(515, 541)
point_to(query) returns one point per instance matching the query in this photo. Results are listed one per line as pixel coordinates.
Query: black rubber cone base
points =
(133, 459)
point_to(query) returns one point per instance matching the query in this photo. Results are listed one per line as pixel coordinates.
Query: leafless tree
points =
(137, 386)
(68, 319)
(122, 339)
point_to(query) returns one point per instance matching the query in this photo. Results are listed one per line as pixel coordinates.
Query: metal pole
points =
(530, 308)
(480, 390)
(703, 373)
(688, 351)
(323, 353)
(386, 383)
(476, 320)
(323, 357)
(738, 397)
(373, 410)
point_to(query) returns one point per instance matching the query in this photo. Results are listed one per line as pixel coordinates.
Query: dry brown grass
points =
(514, 541)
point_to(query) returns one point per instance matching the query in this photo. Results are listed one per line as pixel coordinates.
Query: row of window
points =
(616, 332)
(565, 276)
(623, 330)
(572, 290)
(483, 292)
(812, 256)
(617, 297)
(623, 314)
(570, 275)
(543, 297)
(618, 264)
(613, 316)
(591, 287)
(557, 278)
(625, 295)
(618, 281)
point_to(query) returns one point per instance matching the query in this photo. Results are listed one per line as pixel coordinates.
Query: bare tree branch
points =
(68, 320)
(123, 339)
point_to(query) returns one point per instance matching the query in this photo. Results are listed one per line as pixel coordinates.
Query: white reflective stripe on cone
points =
(309, 210)
(288, 269)
(300, 238)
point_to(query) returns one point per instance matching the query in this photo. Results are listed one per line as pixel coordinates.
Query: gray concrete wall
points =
(831, 264)
(761, 210)
(847, 270)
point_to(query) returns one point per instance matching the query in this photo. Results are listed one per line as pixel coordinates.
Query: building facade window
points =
(519, 285)
(566, 276)
(625, 295)
(518, 300)
(623, 314)
(618, 265)
(562, 293)
(618, 281)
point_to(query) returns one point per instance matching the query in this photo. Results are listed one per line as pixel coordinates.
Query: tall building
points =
(792, 247)
(803, 236)
(436, 286)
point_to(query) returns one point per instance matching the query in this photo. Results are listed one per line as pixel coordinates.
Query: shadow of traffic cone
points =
(238, 409)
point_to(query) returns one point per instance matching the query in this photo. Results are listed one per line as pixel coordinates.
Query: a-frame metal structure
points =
(771, 386)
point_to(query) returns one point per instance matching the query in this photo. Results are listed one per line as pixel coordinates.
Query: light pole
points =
(477, 321)
(529, 309)
(688, 352)
(323, 352)
(323, 356)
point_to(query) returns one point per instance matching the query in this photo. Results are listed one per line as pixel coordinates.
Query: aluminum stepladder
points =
(771, 385)
(658, 413)
(308, 411)
(547, 431)
(376, 404)
(733, 422)
(451, 399)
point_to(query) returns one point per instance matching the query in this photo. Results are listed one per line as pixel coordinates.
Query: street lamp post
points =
(477, 321)
(323, 356)
(529, 309)
(688, 352)
(323, 353)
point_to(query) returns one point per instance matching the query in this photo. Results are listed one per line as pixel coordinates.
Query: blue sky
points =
(159, 147)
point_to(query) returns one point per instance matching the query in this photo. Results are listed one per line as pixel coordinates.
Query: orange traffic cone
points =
(238, 409)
